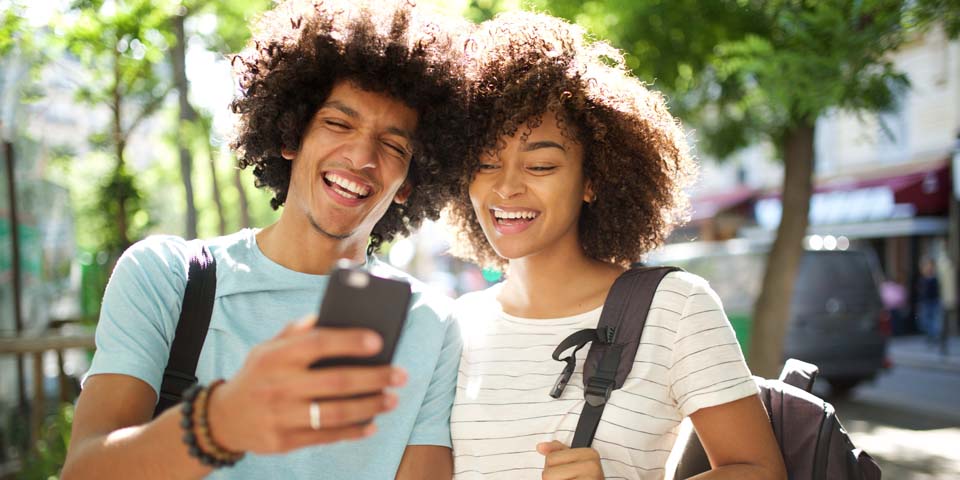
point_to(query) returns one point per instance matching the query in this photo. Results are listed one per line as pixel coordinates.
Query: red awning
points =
(928, 190)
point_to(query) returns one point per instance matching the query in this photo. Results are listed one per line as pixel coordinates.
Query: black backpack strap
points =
(192, 327)
(610, 358)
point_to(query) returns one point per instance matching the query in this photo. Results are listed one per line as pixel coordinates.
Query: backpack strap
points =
(192, 327)
(613, 345)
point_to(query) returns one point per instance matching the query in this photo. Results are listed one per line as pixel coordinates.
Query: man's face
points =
(352, 162)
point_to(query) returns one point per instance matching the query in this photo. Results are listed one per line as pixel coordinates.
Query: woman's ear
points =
(403, 193)
(288, 154)
(589, 196)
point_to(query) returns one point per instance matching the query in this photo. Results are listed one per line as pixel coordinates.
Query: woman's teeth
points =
(501, 215)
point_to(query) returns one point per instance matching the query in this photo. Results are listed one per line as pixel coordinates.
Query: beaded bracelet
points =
(206, 431)
(193, 396)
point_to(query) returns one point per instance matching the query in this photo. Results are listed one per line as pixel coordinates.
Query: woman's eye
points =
(541, 168)
(486, 166)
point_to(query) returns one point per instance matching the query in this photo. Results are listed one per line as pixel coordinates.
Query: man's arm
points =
(112, 432)
(427, 462)
(428, 455)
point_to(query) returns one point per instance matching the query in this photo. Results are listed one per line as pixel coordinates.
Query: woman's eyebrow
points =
(527, 147)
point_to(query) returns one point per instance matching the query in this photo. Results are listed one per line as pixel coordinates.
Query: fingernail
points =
(371, 341)
(398, 377)
(369, 430)
(390, 401)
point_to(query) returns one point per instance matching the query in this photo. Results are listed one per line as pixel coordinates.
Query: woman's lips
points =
(511, 222)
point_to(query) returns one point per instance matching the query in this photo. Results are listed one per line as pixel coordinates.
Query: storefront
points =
(901, 213)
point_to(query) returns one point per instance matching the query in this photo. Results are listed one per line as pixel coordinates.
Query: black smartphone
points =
(356, 298)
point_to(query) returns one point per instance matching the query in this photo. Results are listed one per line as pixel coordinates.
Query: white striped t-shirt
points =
(688, 359)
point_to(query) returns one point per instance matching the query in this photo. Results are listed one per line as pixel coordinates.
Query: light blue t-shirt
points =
(255, 299)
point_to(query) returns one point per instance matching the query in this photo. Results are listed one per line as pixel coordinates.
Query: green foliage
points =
(122, 46)
(748, 70)
(46, 460)
(945, 12)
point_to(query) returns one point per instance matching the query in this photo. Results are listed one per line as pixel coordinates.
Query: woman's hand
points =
(565, 463)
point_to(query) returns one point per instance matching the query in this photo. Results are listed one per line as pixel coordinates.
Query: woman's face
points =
(528, 195)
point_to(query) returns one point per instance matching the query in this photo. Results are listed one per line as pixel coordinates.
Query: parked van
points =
(837, 319)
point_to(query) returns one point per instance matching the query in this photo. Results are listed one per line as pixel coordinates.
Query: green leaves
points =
(749, 69)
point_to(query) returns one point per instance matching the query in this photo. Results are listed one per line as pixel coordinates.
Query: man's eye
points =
(396, 149)
(486, 166)
(337, 125)
(541, 168)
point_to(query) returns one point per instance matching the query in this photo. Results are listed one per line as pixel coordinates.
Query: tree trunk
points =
(119, 142)
(187, 116)
(242, 195)
(772, 310)
(217, 200)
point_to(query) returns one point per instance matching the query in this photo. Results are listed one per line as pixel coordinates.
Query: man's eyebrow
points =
(399, 131)
(527, 147)
(355, 114)
(342, 107)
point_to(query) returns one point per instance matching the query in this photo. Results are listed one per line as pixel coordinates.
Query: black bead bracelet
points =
(187, 410)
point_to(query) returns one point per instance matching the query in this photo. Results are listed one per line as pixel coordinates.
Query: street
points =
(908, 419)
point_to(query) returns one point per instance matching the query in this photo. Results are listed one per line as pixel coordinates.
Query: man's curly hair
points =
(301, 48)
(635, 153)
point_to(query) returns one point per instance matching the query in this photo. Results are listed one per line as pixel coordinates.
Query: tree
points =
(122, 46)
(751, 71)
(188, 115)
(232, 31)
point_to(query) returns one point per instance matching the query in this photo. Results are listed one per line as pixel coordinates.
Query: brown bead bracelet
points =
(196, 400)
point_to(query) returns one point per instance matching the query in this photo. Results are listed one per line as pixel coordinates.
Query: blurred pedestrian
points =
(929, 306)
(894, 296)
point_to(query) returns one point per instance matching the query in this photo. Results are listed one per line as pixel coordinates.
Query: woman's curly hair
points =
(635, 153)
(301, 48)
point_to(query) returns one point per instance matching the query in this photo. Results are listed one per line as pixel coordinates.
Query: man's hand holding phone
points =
(266, 406)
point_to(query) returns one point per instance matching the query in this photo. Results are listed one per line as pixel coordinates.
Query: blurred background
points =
(827, 213)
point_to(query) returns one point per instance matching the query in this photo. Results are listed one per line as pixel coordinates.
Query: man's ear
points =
(403, 193)
(288, 154)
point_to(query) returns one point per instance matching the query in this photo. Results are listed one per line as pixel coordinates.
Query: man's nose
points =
(362, 153)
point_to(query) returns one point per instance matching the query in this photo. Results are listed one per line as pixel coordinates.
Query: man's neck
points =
(306, 250)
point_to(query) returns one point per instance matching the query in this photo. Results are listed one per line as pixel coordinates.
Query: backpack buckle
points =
(564, 377)
(598, 391)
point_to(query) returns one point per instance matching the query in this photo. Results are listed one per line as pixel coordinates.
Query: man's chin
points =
(328, 232)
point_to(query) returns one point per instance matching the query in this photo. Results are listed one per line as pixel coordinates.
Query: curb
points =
(925, 361)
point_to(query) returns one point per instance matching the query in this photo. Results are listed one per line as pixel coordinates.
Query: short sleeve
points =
(140, 309)
(433, 420)
(708, 367)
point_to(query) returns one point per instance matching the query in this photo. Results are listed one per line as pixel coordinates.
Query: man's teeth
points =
(352, 187)
(527, 215)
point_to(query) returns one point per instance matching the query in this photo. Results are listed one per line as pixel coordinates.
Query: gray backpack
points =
(813, 442)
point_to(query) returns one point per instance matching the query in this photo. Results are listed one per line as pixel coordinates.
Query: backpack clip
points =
(564, 377)
(598, 391)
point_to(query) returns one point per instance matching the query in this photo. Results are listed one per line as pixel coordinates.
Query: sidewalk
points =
(914, 351)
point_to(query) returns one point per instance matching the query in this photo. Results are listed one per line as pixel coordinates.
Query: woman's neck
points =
(556, 284)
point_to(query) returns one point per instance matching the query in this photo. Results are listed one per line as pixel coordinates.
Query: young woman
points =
(579, 171)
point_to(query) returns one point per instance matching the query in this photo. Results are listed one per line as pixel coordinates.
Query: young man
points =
(348, 115)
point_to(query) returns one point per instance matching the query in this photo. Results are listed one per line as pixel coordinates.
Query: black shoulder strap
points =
(192, 327)
(613, 345)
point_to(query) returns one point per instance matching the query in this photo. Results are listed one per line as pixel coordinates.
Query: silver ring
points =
(315, 415)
